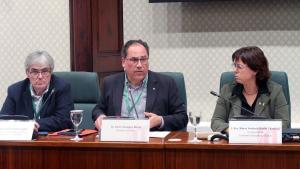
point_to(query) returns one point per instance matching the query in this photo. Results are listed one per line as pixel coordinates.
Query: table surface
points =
(181, 138)
(52, 152)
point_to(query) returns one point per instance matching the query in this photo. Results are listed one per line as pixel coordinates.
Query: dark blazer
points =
(55, 108)
(162, 99)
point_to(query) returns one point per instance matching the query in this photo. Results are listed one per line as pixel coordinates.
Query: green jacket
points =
(271, 105)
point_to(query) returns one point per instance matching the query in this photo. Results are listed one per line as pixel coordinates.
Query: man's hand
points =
(98, 122)
(36, 127)
(155, 120)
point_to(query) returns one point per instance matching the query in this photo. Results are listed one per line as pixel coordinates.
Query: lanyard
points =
(34, 106)
(129, 106)
(38, 102)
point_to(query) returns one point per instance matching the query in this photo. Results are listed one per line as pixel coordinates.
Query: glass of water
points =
(76, 118)
(194, 120)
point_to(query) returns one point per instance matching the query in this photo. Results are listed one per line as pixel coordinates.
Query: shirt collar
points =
(33, 95)
(144, 84)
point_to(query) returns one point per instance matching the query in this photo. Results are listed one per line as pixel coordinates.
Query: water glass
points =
(76, 118)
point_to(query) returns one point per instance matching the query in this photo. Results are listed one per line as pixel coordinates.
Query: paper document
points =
(159, 134)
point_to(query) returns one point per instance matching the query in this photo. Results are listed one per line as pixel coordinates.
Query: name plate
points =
(16, 129)
(125, 130)
(255, 131)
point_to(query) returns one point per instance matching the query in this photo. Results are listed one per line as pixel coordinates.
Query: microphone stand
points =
(133, 104)
(254, 116)
(43, 105)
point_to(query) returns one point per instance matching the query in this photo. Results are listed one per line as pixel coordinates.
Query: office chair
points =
(179, 80)
(85, 93)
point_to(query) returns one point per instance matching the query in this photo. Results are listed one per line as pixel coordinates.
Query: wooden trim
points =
(81, 35)
(96, 35)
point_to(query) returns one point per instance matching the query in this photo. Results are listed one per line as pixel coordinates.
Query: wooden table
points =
(57, 152)
(211, 155)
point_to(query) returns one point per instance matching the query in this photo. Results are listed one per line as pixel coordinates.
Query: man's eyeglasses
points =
(238, 66)
(136, 60)
(35, 73)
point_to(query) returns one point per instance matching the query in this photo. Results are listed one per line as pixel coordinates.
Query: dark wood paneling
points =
(81, 35)
(4, 157)
(84, 158)
(96, 35)
(56, 152)
(231, 159)
(107, 35)
(209, 155)
(107, 25)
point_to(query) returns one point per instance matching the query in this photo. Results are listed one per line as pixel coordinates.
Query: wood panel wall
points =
(96, 35)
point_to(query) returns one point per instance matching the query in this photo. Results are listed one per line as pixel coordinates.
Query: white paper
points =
(159, 134)
(16, 129)
(255, 131)
(125, 130)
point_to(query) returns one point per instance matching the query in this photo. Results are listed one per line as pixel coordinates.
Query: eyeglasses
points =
(238, 66)
(35, 73)
(136, 60)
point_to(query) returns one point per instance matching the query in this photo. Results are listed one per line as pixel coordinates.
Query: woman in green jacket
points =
(252, 90)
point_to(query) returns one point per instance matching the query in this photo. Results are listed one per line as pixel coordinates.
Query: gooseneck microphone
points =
(137, 116)
(43, 105)
(250, 112)
(49, 96)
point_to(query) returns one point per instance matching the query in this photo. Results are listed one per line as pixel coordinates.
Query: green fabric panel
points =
(85, 92)
(179, 80)
(84, 86)
(87, 121)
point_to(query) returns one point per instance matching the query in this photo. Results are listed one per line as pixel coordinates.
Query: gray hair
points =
(39, 57)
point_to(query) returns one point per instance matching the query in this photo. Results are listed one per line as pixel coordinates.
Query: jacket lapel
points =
(152, 91)
(118, 95)
(236, 110)
(261, 103)
(28, 104)
(47, 98)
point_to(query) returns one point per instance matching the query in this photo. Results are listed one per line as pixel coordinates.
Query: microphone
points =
(42, 106)
(133, 103)
(250, 112)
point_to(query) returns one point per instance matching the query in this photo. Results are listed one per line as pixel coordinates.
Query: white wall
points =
(198, 39)
(29, 25)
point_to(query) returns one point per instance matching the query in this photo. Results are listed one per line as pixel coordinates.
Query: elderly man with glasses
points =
(140, 93)
(41, 96)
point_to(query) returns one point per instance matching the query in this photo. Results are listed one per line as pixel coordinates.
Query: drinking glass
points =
(76, 118)
(194, 120)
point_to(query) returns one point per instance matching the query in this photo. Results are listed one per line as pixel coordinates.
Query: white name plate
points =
(255, 131)
(125, 130)
(16, 129)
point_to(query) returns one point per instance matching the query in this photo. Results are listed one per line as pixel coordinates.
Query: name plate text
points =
(16, 129)
(255, 131)
(125, 130)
